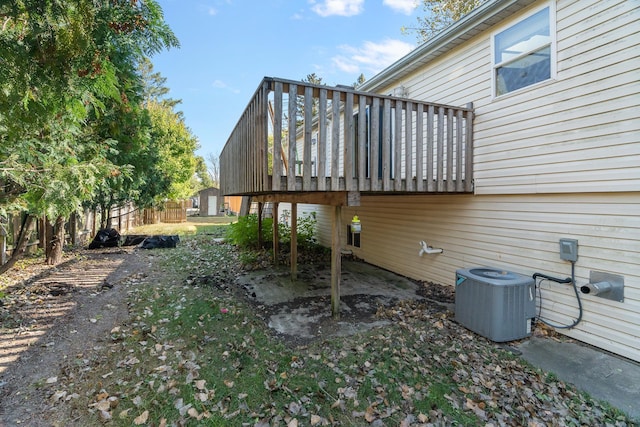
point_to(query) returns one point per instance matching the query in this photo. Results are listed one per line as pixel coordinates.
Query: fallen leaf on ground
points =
(142, 418)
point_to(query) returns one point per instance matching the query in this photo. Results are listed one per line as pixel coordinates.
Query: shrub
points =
(244, 232)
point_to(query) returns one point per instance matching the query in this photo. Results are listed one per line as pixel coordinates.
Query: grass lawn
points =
(196, 354)
(215, 225)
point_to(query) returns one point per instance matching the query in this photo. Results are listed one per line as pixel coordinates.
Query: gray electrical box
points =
(497, 304)
(569, 249)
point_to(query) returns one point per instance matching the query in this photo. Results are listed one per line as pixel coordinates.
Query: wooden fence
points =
(82, 228)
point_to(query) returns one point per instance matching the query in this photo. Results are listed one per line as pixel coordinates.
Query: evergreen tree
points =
(439, 14)
(65, 66)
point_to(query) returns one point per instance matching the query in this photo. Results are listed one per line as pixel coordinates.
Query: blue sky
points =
(228, 46)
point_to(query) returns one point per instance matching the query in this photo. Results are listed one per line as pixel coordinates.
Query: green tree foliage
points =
(154, 88)
(136, 175)
(43, 45)
(439, 14)
(175, 145)
(68, 78)
(202, 177)
(155, 98)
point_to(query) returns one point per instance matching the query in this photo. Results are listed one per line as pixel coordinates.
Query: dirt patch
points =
(58, 313)
(299, 311)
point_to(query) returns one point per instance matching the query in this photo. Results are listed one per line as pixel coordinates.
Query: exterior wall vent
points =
(497, 304)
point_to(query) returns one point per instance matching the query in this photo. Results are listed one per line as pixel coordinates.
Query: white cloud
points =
(403, 6)
(219, 84)
(371, 57)
(212, 11)
(338, 7)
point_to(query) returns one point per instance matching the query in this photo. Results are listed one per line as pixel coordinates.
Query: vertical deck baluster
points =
(440, 153)
(397, 146)
(291, 172)
(449, 170)
(244, 143)
(408, 155)
(362, 143)
(278, 155)
(335, 140)
(468, 163)
(419, 147)
(322, 140)
(459, 150)
(374, 145)
(308, 130)
(348, 158)
(386, 145)
(430, 147)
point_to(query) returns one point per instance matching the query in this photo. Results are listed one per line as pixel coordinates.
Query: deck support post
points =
(294, 241)
(276, 236)
(260, 206)
(336, 262)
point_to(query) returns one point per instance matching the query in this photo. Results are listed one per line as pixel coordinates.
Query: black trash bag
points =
(133, 239)
(105, 238)
(154, 242)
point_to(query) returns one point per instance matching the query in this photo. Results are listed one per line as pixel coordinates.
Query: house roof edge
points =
(468, 26)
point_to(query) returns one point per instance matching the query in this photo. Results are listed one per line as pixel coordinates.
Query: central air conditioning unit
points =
(497, 304)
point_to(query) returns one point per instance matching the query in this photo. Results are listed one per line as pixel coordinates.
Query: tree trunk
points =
(106, 220)
(21, 244)
(42, 232)
(54, 248)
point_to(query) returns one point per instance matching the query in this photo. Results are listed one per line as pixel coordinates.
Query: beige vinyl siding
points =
(518, 233)
(460, 78)
(323, 224)
(304, 210)
(576, 133)
(580, 132)
(557, 159)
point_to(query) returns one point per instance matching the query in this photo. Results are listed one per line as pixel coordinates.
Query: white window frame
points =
(552, 47)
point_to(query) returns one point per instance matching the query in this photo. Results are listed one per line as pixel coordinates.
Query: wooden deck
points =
(296, 137)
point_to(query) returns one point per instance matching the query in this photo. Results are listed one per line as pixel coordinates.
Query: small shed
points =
(211, 203)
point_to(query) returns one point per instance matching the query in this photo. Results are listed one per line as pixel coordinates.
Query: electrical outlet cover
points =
(569, 249)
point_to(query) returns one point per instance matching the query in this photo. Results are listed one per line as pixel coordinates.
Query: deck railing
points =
(299, 137)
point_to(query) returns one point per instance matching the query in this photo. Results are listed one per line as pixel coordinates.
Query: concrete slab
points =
(363, 289)
(357, 278)
(602, 375)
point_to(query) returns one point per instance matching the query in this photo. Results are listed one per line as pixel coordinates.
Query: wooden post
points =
(260, 206)
(276, 236)
(336, 262)
(294, 241)
(245, 206)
